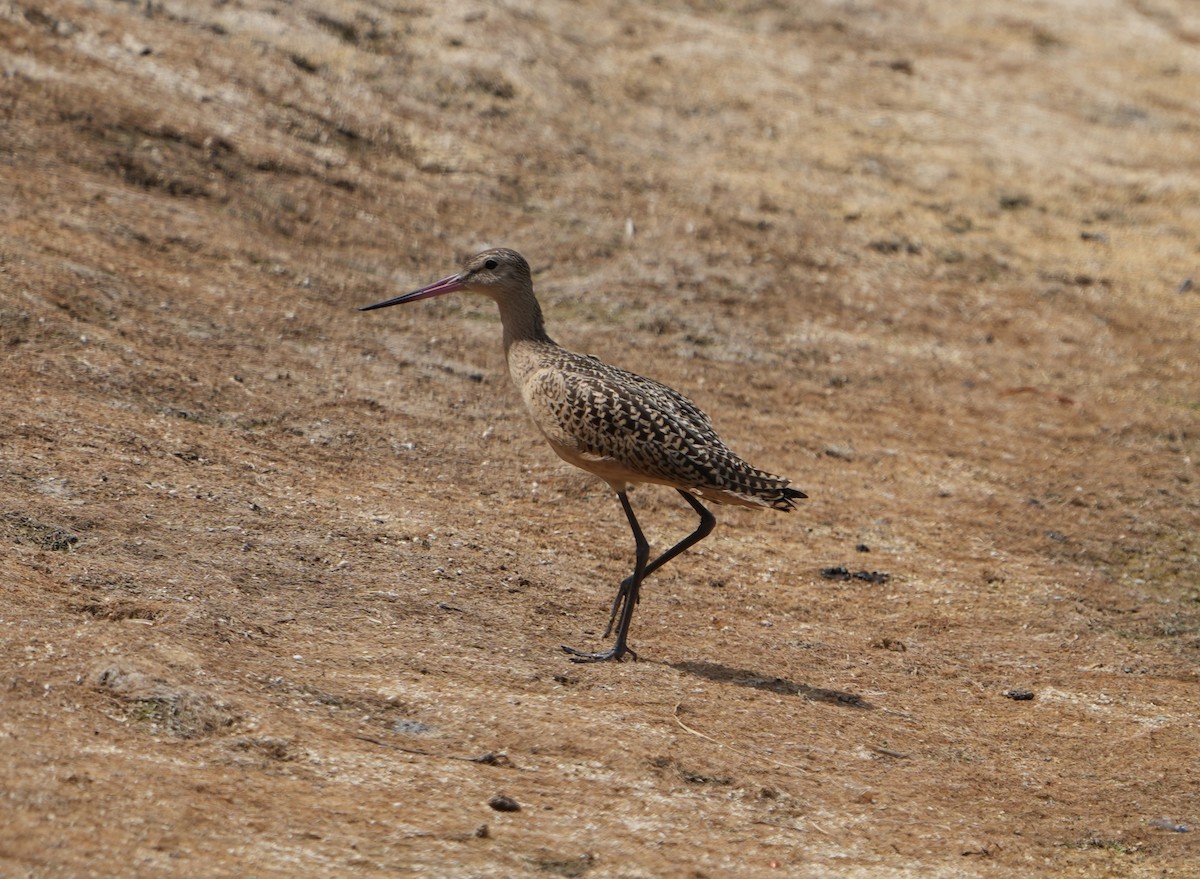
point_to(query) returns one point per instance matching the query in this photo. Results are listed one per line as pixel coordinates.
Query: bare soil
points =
(284, 584)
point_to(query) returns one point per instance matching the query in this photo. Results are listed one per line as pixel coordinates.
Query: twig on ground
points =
(488, 759)
(737, 751)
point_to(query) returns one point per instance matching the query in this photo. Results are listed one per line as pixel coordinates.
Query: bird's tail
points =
(785, 499)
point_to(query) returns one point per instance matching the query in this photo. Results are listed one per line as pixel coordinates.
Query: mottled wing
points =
(652, 430)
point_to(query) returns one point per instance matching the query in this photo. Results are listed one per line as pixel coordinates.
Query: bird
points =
(620, 426)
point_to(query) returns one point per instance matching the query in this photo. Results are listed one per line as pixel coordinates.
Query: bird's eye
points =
(490, 264)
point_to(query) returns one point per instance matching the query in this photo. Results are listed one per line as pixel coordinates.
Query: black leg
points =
(630, 591)
(707, 522)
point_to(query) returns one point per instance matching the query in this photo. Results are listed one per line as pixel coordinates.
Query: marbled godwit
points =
(620, 426)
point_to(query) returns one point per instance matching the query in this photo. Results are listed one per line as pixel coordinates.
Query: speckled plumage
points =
(628, 428)
(621, 426)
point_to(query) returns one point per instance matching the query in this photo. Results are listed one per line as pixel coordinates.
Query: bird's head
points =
(497, 273)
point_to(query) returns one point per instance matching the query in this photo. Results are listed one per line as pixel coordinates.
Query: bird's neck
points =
(526, 345)
(521, 317)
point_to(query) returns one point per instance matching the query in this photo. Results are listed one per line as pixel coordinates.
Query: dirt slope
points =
(284, 583)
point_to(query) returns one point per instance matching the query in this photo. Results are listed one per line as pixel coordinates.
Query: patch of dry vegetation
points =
(284, 583)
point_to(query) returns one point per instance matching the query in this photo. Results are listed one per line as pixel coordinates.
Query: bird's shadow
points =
(714, 671)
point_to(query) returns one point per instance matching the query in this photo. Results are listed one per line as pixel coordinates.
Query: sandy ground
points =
(285, 583)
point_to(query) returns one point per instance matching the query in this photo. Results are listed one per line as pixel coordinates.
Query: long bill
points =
(437, 288)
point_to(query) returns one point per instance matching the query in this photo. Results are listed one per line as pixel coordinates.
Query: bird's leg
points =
(707, 522)
(629, 589)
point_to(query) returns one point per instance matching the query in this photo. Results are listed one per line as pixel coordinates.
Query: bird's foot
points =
(616, 653)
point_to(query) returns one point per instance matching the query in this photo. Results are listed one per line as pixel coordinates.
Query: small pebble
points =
(503, 803)
(1166, 823)
(841, 572)
(872, 576)
(1018, 695)
(409, 727)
